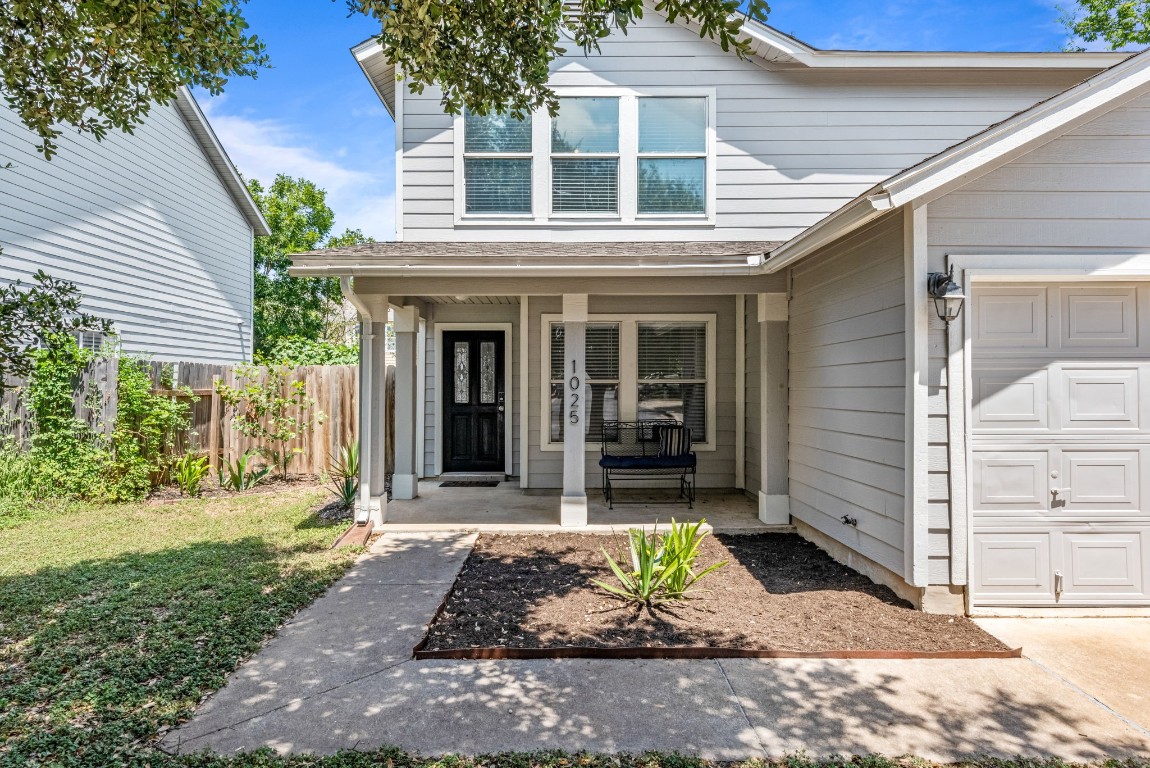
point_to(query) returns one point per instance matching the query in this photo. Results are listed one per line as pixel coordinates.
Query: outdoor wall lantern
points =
(947, 294)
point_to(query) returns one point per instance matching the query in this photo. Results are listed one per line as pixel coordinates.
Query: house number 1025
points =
(574, 383)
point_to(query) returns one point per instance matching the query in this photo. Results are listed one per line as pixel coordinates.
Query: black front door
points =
(473, 401)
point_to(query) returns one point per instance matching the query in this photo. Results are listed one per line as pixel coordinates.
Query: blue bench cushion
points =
(684, 461)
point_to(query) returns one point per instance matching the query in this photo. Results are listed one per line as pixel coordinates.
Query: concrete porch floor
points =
(509, 508)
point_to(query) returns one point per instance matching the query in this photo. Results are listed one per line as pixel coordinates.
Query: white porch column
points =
(573, 509)
(405, 480)
(372, 310)
(774, 507)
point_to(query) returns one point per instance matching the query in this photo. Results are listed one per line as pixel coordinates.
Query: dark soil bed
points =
(210, 490)
(778, 592)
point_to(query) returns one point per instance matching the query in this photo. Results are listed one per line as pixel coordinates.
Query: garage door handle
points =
(1057, 583)
(1054, 492)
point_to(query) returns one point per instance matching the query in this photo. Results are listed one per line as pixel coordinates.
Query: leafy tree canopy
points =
(300, 220)
(1118, 22)
(101, 64)
(33, 315)
(96, 65)
(494, 55)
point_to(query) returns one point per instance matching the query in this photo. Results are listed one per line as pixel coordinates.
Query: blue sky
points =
(314, 115)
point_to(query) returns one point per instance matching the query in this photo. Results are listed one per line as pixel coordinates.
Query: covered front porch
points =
(512, 358)
(511, 509)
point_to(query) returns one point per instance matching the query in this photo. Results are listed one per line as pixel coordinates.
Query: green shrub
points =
(271, 409)
(66, 457)
(295, 350)
(681, 546)
(146, 428)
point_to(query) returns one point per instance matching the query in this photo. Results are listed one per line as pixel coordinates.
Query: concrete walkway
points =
(340, 676)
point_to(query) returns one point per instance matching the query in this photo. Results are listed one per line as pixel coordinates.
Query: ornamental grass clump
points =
(663, 567)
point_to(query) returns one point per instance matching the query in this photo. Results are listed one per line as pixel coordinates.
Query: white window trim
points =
(627, 215)
(628, 371)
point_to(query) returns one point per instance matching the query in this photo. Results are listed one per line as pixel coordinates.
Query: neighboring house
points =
(156, 229)
(737, 244)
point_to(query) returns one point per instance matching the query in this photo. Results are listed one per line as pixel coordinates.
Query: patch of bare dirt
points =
(210, 490)
(777, 592)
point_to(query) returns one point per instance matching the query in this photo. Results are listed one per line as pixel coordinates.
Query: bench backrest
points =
(645, 438)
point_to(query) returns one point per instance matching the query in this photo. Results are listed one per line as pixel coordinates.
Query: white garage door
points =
(1060, 388)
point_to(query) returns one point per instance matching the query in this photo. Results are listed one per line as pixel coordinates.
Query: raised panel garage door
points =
(1060, 433)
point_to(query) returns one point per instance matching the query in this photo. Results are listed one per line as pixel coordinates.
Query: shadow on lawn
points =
(99, 655)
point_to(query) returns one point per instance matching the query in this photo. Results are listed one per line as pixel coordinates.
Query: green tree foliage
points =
(96, 65)
(300, 220)
(495, 55)
(296, 351)
(1119, 22)
(31, 314)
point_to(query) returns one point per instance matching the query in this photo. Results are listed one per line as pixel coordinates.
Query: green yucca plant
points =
(345, 474)
(236, 476)
(189, 472)
(662, 567)
(681, 545)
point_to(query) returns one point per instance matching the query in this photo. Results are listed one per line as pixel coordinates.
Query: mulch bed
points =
(778, 592)
(209, 490)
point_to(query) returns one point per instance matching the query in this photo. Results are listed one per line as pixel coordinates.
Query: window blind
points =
(497, 185)
(677, 125)
(673, 351)
(585, 185)
(496, 133)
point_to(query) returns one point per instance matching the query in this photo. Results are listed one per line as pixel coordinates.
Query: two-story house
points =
(156, 228)
(745, 246)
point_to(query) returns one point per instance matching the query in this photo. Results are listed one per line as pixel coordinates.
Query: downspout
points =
(366, 338)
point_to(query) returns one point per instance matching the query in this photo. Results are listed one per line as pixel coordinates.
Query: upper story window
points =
(497, 162)
(585, 156)
(613, 156)
(672, 159)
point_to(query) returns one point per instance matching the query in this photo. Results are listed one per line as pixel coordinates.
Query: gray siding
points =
(1085, 192)
(793, 144)
(470, 313)
(716, 468)
(847, 391)
(143, 225)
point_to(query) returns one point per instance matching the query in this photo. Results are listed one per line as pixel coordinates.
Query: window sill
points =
(611, 222)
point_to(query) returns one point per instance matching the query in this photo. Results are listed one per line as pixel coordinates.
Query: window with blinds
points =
(600, 390)
(666, 375)
(585, 156)
(672, 161)
(497, 152)
(672, 374)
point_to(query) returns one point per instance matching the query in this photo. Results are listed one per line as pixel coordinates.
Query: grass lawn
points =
(116, 621)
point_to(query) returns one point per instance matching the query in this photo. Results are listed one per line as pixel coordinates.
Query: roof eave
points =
(205, 136)
(367, 50)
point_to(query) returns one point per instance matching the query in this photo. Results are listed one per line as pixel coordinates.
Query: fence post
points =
(214, 427)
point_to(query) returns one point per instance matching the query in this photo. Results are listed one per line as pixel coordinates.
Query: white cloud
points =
(361, 199)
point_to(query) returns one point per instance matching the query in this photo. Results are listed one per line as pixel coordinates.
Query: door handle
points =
(1057, 583)
(501, 409)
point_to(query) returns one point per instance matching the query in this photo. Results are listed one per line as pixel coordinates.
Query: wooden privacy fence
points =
(333, 387)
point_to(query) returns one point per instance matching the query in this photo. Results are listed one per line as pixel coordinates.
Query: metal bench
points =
(635, 450)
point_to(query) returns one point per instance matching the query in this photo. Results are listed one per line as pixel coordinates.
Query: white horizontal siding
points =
(143, 225)
(1087, 191)
(793, 145)
(847, 392)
